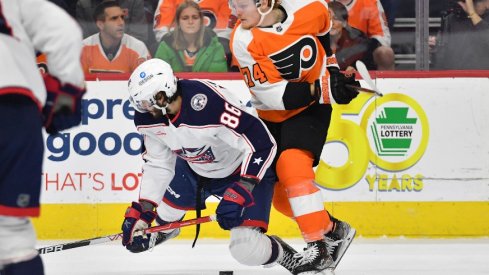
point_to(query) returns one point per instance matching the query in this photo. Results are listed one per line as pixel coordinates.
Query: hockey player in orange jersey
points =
(282, 49)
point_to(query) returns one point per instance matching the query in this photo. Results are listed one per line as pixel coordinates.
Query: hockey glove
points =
(229, 212)
(136, 219)
(338, 81)
(63, 105)
(148, 241)
(333, 89)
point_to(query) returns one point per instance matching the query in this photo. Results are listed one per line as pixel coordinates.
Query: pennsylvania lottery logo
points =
(393, 131)
(397, 131)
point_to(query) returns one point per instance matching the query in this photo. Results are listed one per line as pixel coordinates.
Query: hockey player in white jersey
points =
(27, 104)
(200, 141)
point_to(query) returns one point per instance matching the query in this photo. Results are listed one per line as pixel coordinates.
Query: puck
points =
(225, 273)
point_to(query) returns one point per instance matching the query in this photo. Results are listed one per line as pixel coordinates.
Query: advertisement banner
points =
(424, 140)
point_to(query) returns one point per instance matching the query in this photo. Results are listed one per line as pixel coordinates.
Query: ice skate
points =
(315, 259)
(338, 240)
(287, 257)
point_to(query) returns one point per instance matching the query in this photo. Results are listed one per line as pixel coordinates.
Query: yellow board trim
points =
(371, 219)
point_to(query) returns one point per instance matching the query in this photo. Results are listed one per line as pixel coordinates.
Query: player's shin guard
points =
(294, 169)
(32, 267)
(281, 201)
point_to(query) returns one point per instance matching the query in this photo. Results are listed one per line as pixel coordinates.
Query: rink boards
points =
(413, 163)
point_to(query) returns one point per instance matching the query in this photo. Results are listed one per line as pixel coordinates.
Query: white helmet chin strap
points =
(162, 108)
(263, 14)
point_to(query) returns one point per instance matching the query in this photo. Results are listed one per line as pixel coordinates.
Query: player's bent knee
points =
(294, 163)
(18, 240)
(249, 246)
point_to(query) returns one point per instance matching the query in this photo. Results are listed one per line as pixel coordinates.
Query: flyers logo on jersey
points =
(301, 55)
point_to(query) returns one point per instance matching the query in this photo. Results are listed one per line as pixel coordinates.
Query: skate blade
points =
(327, 271)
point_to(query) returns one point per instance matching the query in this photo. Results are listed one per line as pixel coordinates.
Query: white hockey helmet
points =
(148, 79)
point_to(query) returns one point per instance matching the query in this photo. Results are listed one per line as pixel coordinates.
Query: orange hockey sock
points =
(305, 203)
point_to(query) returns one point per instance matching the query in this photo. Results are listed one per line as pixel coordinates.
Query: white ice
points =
(383, 256)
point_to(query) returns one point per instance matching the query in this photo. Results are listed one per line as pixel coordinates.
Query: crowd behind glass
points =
(119, 35)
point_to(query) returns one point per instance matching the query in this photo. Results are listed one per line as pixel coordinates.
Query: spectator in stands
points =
(349, 43)
(192, 47)
(134, 15)
(149, 13)
(216, 12)
(390, 8)
(111, 50)
(217, 17)
(368, 16)
(66, 5)
(463, 42)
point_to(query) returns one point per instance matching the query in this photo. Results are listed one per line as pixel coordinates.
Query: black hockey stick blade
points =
(109, 238)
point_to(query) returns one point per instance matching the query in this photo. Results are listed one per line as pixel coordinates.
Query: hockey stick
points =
(362, 89)
(362, 70)
(109, 238)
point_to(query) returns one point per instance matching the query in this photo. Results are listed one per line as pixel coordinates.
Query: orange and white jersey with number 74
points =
(270, 57)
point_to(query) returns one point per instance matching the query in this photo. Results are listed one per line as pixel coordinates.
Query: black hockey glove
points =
(136, 219)
(332, 89)
(63, 105)
(337, 83)
(229, 212)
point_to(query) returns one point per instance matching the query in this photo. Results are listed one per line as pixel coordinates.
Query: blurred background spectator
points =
(368, 16)
(349, 43)
(111, 50)
(149, 13)
(216, 14)
(390, 8)
(67, 5)
(134, 16)
(463, 41)
(191, 46)
(217, 17)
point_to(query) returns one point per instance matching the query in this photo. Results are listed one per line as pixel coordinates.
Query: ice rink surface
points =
(383, 256)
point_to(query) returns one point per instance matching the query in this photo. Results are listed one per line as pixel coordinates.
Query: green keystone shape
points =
(392, 146)
(395, 115)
